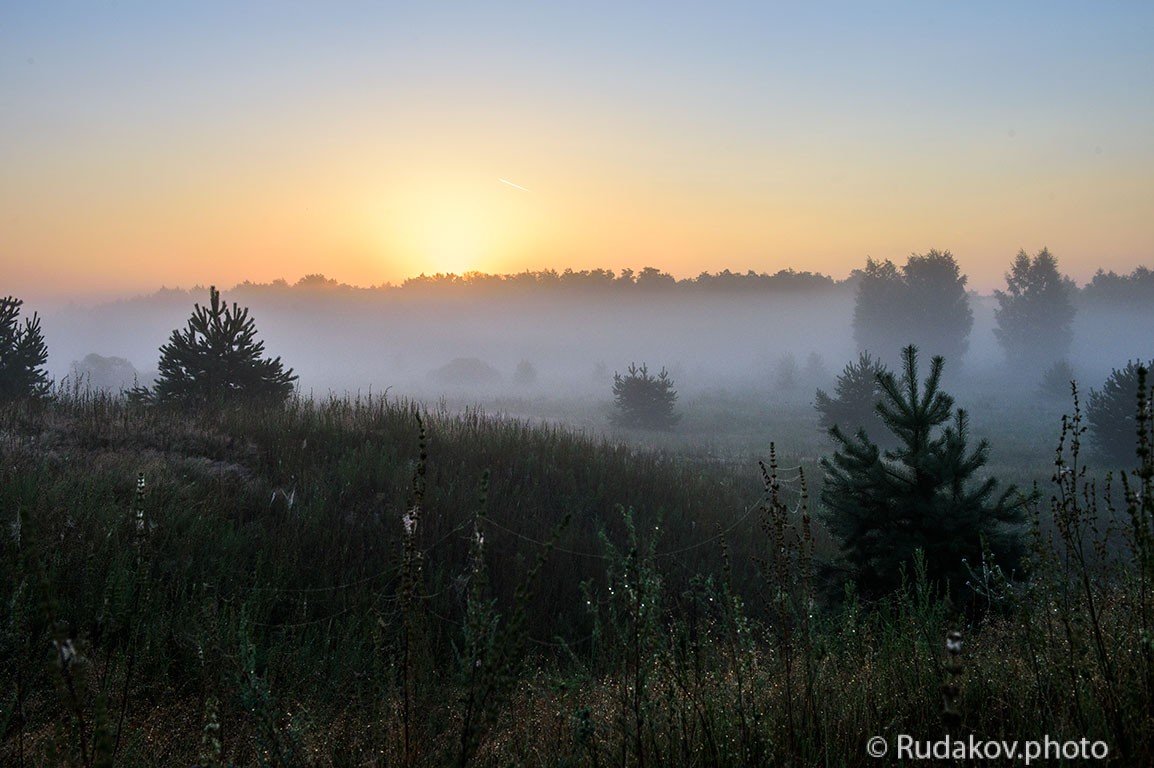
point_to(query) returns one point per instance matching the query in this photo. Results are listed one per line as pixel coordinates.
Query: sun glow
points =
(451, 239)
(461, 225)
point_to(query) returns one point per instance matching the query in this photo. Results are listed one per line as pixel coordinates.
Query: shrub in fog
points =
(786, 377)
(815, 368)
(112, 374)
(644, 400)
(1057, 380)
(853, 406)
(923, 495)
(1110, 412)
(23, 353)
(466, 372)
(526, 374)
(1035, 313)
(216, 360)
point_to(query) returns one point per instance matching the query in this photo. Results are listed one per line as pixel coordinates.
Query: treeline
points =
(647, 279)
(1109, 288)
(1135, 289)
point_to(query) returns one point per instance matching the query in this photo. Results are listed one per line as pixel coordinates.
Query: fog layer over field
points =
(340, 339)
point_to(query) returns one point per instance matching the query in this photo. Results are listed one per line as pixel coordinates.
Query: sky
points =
(170, 144)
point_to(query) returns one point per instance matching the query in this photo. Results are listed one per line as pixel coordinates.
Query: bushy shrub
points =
(466, 372)
(1110, 412)
(1056, 380)
(98, 372)
(526, 374)
(644, 400)
(816, 371)
(786, 375)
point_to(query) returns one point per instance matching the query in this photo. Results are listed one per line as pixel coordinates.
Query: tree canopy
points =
(1109, 289)
(924, 304)
(1035, 313)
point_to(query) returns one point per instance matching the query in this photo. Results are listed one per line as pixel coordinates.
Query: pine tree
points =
(23, 353)
(854, 404)
(644, 400)
(216, 360)
(1110, 412)
(921, 495)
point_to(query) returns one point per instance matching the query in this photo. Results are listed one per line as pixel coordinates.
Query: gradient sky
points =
(149, 144)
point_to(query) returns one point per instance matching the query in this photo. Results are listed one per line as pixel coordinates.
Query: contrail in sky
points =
(518, 186)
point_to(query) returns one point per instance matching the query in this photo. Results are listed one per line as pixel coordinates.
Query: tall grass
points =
(455, 588)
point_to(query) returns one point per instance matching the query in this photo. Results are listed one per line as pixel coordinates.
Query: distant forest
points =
(1135, 289)
(648, 279)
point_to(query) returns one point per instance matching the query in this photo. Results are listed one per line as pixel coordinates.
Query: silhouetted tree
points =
(922, 495)
(1111, 414)
(318, 282)
(939, 309)
(1035, 313)
(23, 353)
(1109, 289)
(924, 304)
(854, 406)
(651, 278)
(644, 400)
(879, 321)
(217, 360)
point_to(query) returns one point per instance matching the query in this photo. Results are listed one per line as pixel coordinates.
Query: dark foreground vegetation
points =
(364, 582)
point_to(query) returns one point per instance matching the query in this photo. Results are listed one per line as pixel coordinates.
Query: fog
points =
(342, 340)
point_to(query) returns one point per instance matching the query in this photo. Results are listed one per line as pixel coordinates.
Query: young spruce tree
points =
(1110, 412)
(23, 353)
(644, 400)
(216, 360)
(923, 494)
(853, 405)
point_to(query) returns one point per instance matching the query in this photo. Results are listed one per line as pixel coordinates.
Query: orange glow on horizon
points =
(456, 223)
(185, 147)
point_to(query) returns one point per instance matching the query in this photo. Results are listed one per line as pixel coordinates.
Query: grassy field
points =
(370, 582)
